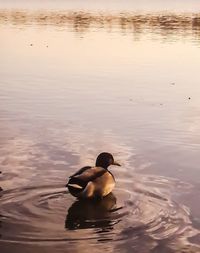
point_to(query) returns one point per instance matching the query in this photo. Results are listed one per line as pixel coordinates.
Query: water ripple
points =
(48, 214)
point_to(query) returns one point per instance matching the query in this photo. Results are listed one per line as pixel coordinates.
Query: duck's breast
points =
(104, 184)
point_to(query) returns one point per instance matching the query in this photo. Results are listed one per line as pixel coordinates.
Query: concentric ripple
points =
(48, 214)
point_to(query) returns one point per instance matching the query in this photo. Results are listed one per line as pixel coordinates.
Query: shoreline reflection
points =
(82, 22)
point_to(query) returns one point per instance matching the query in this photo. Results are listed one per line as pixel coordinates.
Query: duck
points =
(93, 182)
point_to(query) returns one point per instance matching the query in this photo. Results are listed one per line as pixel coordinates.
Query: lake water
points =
(81, 77)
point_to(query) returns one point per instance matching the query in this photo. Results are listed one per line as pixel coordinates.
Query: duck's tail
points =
(76, 186)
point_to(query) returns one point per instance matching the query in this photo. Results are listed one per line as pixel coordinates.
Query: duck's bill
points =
(116, 163)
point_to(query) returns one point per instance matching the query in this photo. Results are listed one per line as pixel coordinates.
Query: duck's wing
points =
(75, 182)
(80, 180)
(80, 171)
(91, 174)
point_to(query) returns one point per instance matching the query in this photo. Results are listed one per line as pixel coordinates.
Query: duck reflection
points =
(85, 213)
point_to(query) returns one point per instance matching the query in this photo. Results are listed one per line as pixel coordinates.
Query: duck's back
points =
(93, 181)
(91, 174)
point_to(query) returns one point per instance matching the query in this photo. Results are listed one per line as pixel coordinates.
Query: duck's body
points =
(92, 182)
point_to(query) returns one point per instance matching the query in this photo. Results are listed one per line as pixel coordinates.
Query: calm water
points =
(80, 78)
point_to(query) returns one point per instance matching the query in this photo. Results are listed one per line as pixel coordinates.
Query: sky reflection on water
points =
(112, 5)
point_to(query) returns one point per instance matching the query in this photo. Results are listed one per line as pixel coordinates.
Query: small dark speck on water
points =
(0, 187)
(31, 44)
(189, 98)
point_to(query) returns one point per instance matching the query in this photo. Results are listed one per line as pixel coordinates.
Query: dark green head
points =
(105, 159)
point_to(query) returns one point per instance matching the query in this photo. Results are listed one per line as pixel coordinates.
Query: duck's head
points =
(105, 159)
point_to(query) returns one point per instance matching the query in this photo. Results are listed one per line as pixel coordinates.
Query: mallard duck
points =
(93, 182)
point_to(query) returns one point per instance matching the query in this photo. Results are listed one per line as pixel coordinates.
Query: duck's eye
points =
(111, 161)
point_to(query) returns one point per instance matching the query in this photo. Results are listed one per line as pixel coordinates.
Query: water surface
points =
(78, 80)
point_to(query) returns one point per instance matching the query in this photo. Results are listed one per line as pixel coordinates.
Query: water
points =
(81, 78)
